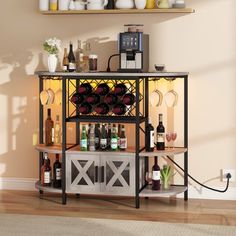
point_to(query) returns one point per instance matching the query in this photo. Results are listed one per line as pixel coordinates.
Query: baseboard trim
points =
(27, 184)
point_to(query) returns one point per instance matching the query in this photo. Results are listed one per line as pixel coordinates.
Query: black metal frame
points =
(136, 119)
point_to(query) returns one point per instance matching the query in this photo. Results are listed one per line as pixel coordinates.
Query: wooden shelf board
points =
(166, 152)
(120, 11)
(51, 189)
(174, 190)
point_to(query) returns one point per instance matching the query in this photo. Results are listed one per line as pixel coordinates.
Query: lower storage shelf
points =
(49, 189)
(174, 190)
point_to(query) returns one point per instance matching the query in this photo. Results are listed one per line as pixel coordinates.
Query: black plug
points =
(228, 176)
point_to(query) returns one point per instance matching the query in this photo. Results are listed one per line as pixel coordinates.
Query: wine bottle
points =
(84, 139)
(128, 99)
(114, 139)
(79, 57)
(120, 89)
(111, 99)
(85, 108)
(49, 130)
(103, 89)
(57, 173)
(85, 89)
(65, 63)
(102, 109)
(123, 139)
(71, 59)
(103, 140)
(156, 176)
(119, 135)
(97, 136)
(109, 136)
(93, 98)
(57, 131)
(92, 139)
(149, 137)
(46, 171)
(119, 109)
(77, 98)
(160, 134)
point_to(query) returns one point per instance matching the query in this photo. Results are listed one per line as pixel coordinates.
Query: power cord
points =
(228, 176)
(109, 60)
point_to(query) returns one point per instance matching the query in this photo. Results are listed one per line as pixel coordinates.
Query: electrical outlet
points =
(224, 172)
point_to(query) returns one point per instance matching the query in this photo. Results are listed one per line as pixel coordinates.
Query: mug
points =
(96, 4)
(63, 5)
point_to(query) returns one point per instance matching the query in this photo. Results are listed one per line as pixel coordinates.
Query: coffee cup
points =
(96, 4)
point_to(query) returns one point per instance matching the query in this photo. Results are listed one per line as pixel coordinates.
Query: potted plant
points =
(52, 46)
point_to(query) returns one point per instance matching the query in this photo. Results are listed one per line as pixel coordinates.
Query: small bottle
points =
(85, 108)
(57, 132)
(114, 139)
(65, 63)
(128, 99)
(160, 134)
(49, 125)
(156, 176)
(111, 99)
(109, 136)
(84, 139)
(97, 136)
(57, 173)
(103, 140)
(79, 57)
(71, 59)
(149, 137)
(93, 98)
(92, 147)
(102, 109)
(120, 89)
(103, 89)
(77, 98)
(85, 89)
(46, 174)
(119, 109)
(123, 139)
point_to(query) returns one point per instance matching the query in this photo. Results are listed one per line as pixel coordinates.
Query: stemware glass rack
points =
(100, 165)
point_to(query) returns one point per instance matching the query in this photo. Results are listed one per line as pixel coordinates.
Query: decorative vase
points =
(52, 63)
(140, 4)
(165, 184)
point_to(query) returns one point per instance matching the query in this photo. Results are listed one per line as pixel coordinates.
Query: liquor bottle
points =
(103, 89)
(111, 99)
(119, 135)
(84, 139)
(128, 99)
(46, 172)
(109, 136)
(57, 173)
(71, 59)
(119, 109)
(114, 139)
(77, 98)
(57, 131)
(79, 57)
(49, 130)
(149, 139)
(93, 98)
(85, 89)
(103, 140)
(102, 109)
(65, 63)
(97, 136)
(85, 108)
(92, 139)
(160, 134)
(123, 139)
(156, 176)
(120, 89)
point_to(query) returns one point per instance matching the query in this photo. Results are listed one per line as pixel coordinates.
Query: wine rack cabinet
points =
(120, 173)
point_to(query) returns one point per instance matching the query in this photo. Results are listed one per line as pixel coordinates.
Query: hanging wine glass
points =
(171, 97)
(58, 95)
(44, 94)
(156, 96)
(51, 94)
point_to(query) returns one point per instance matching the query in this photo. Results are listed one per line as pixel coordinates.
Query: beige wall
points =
(202, 43)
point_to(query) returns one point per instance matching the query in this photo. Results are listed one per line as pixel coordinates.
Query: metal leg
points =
(186, 135)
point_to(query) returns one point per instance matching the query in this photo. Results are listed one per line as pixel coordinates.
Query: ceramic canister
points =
(43, 5)
(63, 5)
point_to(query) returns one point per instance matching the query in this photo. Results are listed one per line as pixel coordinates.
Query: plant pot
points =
(52, 63)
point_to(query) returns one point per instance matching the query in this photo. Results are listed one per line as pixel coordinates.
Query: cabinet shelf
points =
(166, 152)
(49, 189)
(120, 11)
(174, 190)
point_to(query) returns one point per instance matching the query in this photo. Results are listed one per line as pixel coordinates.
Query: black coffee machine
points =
(133, 49)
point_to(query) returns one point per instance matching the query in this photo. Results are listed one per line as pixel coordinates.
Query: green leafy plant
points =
(165, 176)
(52, 45)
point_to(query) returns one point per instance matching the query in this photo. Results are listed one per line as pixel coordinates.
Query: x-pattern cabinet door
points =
(82, 173)
(118, 174)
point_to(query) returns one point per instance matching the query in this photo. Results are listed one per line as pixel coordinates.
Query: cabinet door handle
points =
(102, 174)
(96, 174)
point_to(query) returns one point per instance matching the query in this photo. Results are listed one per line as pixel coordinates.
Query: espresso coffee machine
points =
(133, 51)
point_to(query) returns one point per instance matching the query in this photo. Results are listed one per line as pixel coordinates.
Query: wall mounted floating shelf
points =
(121, 11)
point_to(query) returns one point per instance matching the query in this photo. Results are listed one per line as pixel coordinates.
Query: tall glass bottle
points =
(149, 137)
(71, 58)
(109, 136)
(156, 176)
(57, 131)
(114, 139)
(97, 136)
(65, 62)
(92, 147)
(49, 130)
(46, 172)
(84, 139)
(57, 172)
(103, 140)
(79, 57)
(160, 134)
(123, 139)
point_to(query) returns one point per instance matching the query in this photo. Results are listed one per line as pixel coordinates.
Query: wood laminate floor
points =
(162, 210)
